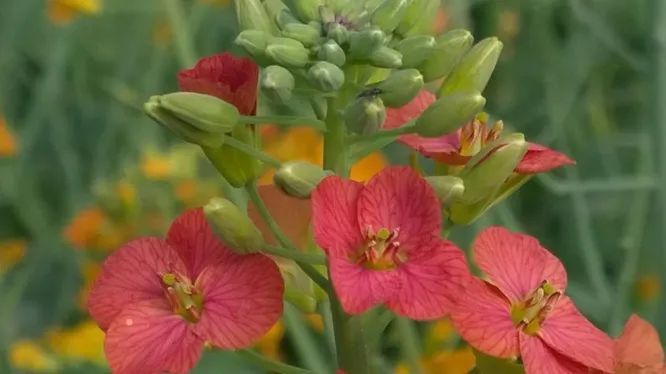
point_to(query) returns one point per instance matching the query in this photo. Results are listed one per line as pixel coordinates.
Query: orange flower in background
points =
(84, 229)
(269, 344)
(155, 165)
(8, 145)
(64, 11)
(11, 253)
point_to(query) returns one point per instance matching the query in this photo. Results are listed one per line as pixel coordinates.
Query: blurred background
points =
(82, 170)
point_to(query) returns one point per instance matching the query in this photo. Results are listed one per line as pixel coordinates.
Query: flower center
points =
(476, 134)
(186, 300)
(381, 250)
(529, 315)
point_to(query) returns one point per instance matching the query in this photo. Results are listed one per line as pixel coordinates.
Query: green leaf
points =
(490, 365)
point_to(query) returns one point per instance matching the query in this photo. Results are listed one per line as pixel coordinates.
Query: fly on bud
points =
(204, 112)
(233, 226)
(447, 187)
(299, 178)
(306, 34)
(449, 49)
(400, 87)
(474, 70)
(237, 167)
(288, 52)
(179, 127)
(252, 15)
(449, 113)
(326, 77)
(389, 14)
(277, 83)
(365, 115)
(415, 49)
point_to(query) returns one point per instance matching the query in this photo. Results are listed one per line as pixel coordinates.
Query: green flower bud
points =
(447, 188)
(474, 70)
(254, 42)
(389, 14)
(252, 15)
(205, 112)
(306, 34)
(449, 113)
(306, 10)
(285, 18)
(385, 57)
(338, 32)
(299, 178)
(332, 52)
(400, 87)
(288, 53)
(179, 127)
(418, 16)
(233, 226)
(326, 76)
(277, 83)
(449, 49)
(319, 106)
(237, 167)
(363, 43)
(415, 50)
(365, 115)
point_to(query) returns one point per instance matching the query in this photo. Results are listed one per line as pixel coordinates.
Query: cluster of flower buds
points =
(380, 48)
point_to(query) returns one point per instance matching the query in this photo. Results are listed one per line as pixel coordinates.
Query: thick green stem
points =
(284, 121)
(335, 152)
(308, 258)
(248, 149)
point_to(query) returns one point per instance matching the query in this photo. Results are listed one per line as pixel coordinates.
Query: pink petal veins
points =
(540, 159)
(639, 344)
(538, 358)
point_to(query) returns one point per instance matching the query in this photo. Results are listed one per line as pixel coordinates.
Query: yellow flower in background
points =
(316, 321)
(83, 342)
(126, 191)
(64, 11)
(269, 344)
(459, 361)
(26, 355)
(11, 252)
(155, 165)
(367, 167)
(8, 145)
(648, 287)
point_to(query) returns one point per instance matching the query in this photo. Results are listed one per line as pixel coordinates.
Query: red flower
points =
(458, 147)
(383, 245)
(522, 310)
(160, 301)
(232, 79)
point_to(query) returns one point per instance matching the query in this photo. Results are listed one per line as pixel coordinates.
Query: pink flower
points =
(161, 301)
(232, 79)
(522, 310)
(638, 350)
(458, 147)
(383, 245)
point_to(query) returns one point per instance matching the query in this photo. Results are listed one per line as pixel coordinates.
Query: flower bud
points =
(365, 115)
(205, 112)
(326, 76)
(400, 87)
(306, 34)
(415, 50)
(389, 14)
(277, 83)
(447, 188)
(338, 32)
(418, 16)
(385, 57)
(306, 10)
(299, 178)
(179, 127)
(237, 167)
(319, 106)
(449, 113)
(233, 226)
(251, 15)
(254, 42)
(449, 49)
(363, 43)
(474, 70)
(332, 52)
(288, 53)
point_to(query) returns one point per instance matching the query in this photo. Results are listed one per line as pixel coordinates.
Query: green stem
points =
(271, 365)
(304, 341)
(308, 258)
(335, 153)
(409, 344)
(284, 121)
(182, 36)
(248, 149)
(405, 129)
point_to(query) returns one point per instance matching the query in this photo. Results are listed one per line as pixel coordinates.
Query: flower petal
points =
(359, 288)
(148, 337)
(539, 358)
(516, 263)
(334, 217)
(639, 344)
(399, 198)
(431, 280)
(567, 331)
(397, 117)
(540, 159)
(242, 300)
(132, 274)
(482, 318)
(232, 79)
(195, 242)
